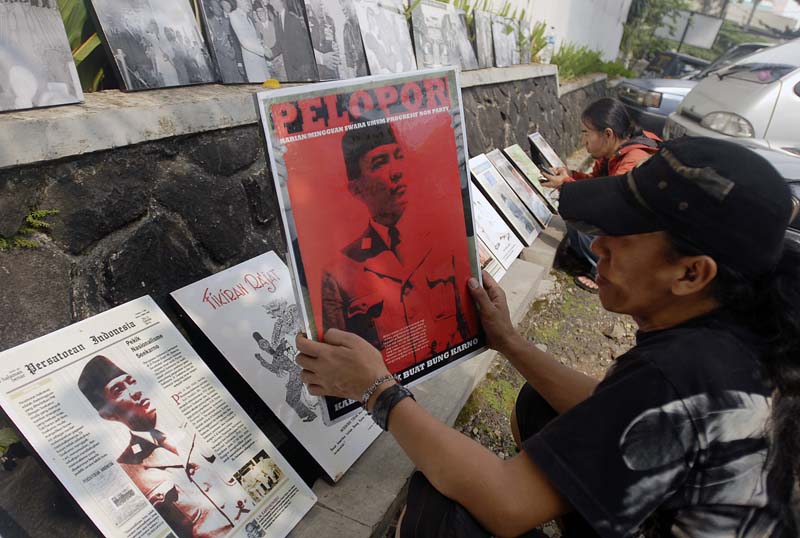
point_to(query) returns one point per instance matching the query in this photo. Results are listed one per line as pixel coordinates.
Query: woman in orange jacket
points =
(618, 145)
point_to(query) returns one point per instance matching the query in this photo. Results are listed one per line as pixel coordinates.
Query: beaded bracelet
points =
(372, 388)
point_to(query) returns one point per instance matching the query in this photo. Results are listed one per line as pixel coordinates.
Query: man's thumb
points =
(479, 294)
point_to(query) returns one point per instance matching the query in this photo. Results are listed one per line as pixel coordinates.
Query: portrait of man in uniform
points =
(395, 284)
(169, 469)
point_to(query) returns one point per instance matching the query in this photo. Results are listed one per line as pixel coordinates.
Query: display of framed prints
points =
(483, 39)
(531, 172)
(336, 38)
(505, 35)
(141, 433)
(153, 44)
(253, 41)
(543, 153)
(504, 199)
(249, 314)
(489, 263)
(521, 187)
(36, 65)
(373, 182)
(384, 32)
(440, 37)
(493, 230)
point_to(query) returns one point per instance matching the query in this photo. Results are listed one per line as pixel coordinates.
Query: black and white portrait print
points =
(277, 356)
(256, 40)
(440, 36)
(336, 38)
(154, 43)
(483, 39)
(466, 53)
(36, 66)
(504, 34)
(387, 41)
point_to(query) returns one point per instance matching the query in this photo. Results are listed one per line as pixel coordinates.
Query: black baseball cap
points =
(362, 138)
(717, 195)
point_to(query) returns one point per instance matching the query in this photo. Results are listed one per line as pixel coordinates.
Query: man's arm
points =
(560, 385)
(507, 497)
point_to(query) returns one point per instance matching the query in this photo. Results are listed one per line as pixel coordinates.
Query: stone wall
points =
(500, 115)
(153, 217)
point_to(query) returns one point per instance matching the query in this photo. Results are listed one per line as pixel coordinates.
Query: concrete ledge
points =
(112, 119)
(498, 75)
(364, 503)
(580, 83)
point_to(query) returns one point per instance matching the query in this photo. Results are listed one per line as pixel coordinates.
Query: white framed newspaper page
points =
(143, 436)
(498, 237)
(372, 181)
(249, 313)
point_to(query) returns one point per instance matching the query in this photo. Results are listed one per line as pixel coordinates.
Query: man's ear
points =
(608, 133)
(696, 274)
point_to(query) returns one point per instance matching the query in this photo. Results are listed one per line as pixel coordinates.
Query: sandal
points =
(584, 286)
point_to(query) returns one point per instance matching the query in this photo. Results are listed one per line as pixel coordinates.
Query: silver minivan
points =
(758, 97)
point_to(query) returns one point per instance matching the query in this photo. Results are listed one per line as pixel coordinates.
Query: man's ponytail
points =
(770, 307)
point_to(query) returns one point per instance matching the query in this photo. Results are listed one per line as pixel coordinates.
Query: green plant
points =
(34, 222)
(537, 38)
(575, 60)
(85, 42)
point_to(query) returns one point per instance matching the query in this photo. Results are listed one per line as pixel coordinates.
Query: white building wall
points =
(594, 23)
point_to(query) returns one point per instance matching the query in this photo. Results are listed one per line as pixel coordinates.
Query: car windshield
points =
(727, 58)
(761, 73)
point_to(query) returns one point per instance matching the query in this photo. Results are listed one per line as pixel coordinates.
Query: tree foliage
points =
(644, 18)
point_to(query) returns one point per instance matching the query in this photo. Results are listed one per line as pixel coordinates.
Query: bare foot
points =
(587, 283)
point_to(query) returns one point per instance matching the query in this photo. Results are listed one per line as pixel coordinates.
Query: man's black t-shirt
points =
(677, 429)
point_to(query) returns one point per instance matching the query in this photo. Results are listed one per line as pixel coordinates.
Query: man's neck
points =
(674, 314)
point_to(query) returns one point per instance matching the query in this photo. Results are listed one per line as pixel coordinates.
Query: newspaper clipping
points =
(249, 313)
(376, 204)
(142, 434)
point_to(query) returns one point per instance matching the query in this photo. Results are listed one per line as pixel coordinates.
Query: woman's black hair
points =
(769, 306)
(608, 113)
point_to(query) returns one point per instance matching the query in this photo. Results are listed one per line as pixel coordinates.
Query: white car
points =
(758, 98)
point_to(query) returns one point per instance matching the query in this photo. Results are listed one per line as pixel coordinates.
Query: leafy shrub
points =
(575, 60)
(34, 222)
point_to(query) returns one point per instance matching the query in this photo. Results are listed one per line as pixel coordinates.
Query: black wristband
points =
(385, 403)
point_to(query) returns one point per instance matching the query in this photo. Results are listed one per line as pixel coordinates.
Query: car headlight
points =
(640, 97)
(652, 99)
(729, 124)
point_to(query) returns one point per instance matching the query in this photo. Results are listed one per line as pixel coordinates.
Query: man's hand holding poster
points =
(375, 197)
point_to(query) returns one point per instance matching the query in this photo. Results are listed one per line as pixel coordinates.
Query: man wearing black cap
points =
(393, 285)
(173, 477)
(693, 432)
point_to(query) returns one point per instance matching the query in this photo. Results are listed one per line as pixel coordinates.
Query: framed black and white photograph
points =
(153, 43)
(543, 153)
(461, 37)
(483, 39)
(440, 36)
(504, 35)
(521, 187)
(36, 66)
(504, 199)
(386, 37)
(531, 172)
(256, 40)
(524, 42)
(336, 39)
